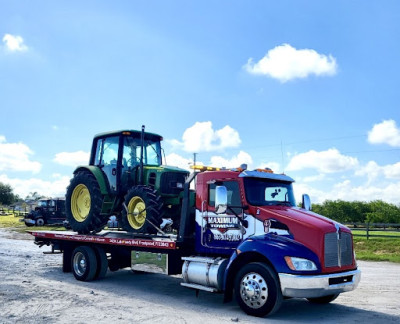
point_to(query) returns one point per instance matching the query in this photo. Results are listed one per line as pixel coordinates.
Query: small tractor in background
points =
(125, 177)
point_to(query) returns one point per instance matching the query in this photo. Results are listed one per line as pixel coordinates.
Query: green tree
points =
(7, 196)
(358, 211)
(35, 196)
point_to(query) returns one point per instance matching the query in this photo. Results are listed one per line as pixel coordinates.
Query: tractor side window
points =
(233, 194)
(97, 159)
(110, 151)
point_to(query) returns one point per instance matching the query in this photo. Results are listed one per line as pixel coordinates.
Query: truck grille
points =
(172, 182)
(338, 251)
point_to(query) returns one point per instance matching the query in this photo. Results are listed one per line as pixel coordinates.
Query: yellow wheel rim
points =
(80, 203)
(136, 212)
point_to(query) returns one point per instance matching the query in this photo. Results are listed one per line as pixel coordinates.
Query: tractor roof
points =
(133, 133)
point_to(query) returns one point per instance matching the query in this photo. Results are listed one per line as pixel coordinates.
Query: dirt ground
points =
(33, 289)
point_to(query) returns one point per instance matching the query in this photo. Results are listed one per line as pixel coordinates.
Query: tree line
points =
(342, 211)
(7, 196)
(376, 211)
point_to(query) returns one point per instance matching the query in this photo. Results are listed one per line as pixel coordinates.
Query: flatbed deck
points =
(116, 238)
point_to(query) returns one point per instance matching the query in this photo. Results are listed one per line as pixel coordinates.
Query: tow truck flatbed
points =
(113, 249)
(116, 238)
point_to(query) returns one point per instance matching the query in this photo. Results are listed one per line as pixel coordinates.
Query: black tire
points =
(84, 263)
(144, 206)
(257, 290)
(323, 300)
(102, 262)
(40, 222)
(83, 204)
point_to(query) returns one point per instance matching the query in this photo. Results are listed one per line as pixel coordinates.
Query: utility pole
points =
(194, 158)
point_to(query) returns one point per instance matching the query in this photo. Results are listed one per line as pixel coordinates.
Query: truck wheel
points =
(257, 290)
(143, 205)
(102, 262)
(84, 263)
(40, 222)
(83, 204)
(323, 300)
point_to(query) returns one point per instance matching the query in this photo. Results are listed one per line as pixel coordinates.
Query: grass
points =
(375, 232)
(377, 249)
(10, 221)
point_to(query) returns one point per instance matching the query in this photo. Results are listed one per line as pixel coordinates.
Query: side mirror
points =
(306, 202)
(221, 199)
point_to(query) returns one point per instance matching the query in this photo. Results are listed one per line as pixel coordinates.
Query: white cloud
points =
(234, 162)
(385, 132)
(318, 177)
(15, 157)
(392, 171)
(345, 190)
(325, 161)
(22, 187)
(274, 166)
(201, 137)
(72, 158)
(14, 43)
(176, 160)
(374, 171)
(285, 63)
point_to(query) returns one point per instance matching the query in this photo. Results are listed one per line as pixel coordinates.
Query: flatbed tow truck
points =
(240, 234)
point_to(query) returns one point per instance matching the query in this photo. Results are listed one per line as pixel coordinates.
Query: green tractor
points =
(125, 177)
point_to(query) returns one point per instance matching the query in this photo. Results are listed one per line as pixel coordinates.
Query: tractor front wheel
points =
(142, 210)
(83, 204)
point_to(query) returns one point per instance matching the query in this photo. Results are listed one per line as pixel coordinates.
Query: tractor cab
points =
(122, 157)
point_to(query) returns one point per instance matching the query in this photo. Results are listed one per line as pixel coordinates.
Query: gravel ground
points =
(33, 289)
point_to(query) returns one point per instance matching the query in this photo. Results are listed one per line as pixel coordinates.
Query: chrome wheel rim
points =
(80, 264)
(253, 290)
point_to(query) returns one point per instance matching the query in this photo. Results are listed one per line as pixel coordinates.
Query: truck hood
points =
(296, 215)
(305, 226)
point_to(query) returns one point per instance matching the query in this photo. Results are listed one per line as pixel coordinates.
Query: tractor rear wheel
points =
(143, 207)
(83, 204)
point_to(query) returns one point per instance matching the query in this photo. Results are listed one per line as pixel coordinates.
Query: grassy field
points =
(13, 222)
(371, 233)
(376, 249)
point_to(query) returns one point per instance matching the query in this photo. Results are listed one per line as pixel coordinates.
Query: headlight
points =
(300, 264)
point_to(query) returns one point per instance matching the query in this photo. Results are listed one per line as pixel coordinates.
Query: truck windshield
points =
(266, 192)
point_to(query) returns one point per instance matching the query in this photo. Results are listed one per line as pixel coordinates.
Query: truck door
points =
(222, 231)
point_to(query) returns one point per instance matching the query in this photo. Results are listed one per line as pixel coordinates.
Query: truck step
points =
(199, 287)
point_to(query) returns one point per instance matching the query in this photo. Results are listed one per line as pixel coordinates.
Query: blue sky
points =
(305, 87)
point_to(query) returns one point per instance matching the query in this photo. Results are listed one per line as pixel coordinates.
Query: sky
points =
(308, 88)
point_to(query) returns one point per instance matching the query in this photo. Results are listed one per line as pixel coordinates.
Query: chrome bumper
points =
(300, 286)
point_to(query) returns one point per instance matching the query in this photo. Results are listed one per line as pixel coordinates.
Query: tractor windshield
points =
(266, 192)
(131, 152)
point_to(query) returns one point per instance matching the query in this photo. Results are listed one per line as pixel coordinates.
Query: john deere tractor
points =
(125, 177)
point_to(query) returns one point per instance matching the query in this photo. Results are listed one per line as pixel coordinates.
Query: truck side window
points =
(233, 194)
